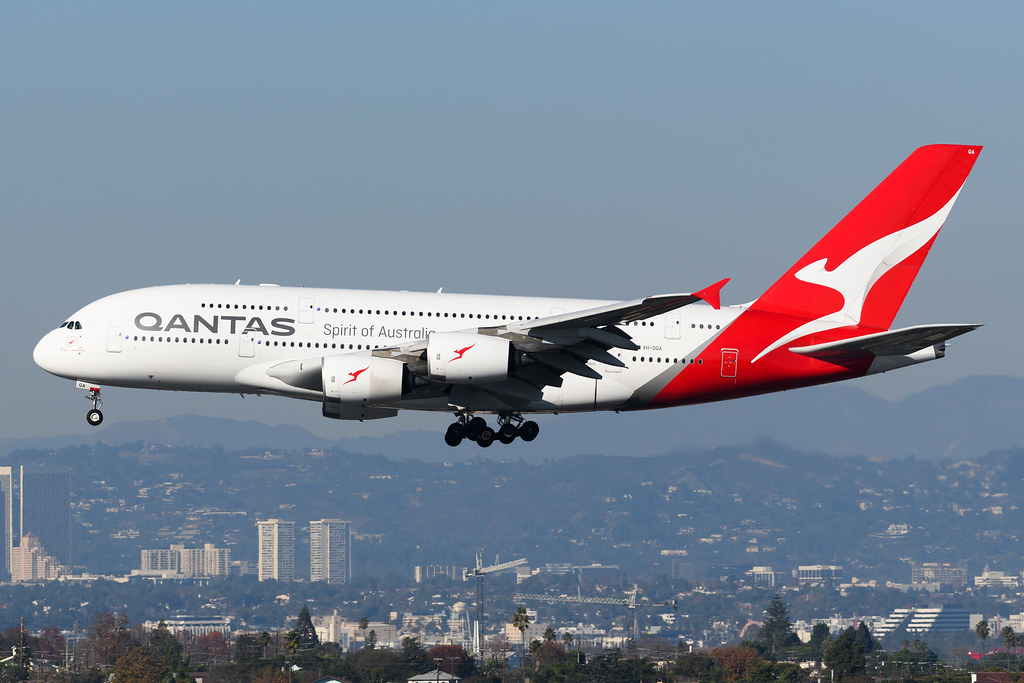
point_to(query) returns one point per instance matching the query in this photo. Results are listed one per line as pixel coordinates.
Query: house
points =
(435, 675)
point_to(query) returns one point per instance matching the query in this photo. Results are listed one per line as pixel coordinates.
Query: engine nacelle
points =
(360, 379)
(464, 358)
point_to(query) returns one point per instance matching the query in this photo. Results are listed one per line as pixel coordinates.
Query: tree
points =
(416, 657)
(263, 640)
(272, 674)
(139, 665)
(820, 636)
(454, 659)
(864, 638)
(371, 640)
(108, 637)
(212, 647)
(736, 661)
(567, 640)
(777, 630)
(613, 668)
(305, 633)
(521, 621)
(981, 628)
(845, 655)
(163, 644)
(549, 635)
(247, 648)
(51, 643)
(364, 624)
(1009, 640)
(547, 654)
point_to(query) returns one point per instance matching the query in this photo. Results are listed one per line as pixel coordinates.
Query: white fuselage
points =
(223, 338)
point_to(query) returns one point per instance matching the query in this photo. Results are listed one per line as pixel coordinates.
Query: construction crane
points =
(480, 571)
(629, 602)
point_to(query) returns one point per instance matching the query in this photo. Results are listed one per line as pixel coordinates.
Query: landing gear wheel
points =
(94, 417)
(486, 437)
(455, 434)
(474, 427)
(508, 432)
(529, 430)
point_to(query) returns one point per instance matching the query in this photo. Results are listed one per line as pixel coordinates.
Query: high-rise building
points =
(45, 509)
(6, 521)
(277, 550)
(330, 557)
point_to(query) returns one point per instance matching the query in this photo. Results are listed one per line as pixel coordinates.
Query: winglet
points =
(712, 295)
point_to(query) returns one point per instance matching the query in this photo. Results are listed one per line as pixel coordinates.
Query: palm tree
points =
(364, 624)
(263, 641)
(981, 628)
(567, 640)
(1008, 639)
(521, 621)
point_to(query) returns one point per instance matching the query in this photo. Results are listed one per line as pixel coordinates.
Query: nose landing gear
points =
(94, 416)
(510, 426)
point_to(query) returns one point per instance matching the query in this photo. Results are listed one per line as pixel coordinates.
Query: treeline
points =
(112, 649)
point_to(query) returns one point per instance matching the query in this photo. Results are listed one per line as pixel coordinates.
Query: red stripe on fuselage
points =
(750, 333)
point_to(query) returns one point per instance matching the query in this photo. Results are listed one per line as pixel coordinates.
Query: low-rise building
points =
(187, 563)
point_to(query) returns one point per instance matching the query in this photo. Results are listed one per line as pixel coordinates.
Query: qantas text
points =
(231, 324)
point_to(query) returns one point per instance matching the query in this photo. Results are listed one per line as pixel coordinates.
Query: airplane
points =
(365, 355)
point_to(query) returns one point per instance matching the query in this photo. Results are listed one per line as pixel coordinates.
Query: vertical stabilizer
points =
(860, 272)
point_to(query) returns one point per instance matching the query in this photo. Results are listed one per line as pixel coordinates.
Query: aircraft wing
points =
(901, 342)
(625, 312)
(562, 343)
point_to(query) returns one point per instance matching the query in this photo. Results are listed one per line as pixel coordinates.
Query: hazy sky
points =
(577, 149)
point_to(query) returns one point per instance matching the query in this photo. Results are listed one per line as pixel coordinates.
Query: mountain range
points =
(965, 419)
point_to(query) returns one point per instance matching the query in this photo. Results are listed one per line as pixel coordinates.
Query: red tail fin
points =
(860, 272)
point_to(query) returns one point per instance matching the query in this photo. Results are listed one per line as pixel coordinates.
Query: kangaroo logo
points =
(855, 277)
(355, 375)
(460, 352)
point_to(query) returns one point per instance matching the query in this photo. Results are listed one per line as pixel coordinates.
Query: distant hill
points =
(965, 419)
(733, 507)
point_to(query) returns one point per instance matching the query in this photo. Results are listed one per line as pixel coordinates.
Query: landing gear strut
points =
(510, 426)
(94, 416)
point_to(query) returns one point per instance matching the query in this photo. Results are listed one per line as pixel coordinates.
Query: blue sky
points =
(576, 149)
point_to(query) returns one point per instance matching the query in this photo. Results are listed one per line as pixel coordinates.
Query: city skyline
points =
(35, 521)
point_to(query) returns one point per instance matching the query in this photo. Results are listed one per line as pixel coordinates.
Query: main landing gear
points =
(510, 426)
(94, 416)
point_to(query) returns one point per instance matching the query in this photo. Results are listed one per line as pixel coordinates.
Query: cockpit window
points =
(71, 325)
(63, 325)
(78, 325)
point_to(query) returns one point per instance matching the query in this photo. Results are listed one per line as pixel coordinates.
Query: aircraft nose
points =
(45, 353)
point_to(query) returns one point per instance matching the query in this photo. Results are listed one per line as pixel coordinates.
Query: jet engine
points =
(464, 358)
(360, 379)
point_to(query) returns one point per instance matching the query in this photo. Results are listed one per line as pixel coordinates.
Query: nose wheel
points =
(94, 417)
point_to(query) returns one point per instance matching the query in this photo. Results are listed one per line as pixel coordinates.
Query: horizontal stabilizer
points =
(902, 342)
